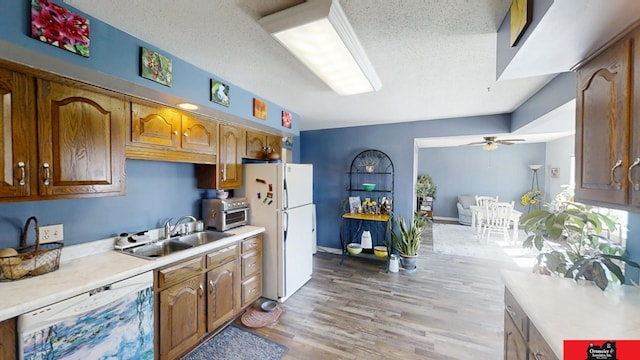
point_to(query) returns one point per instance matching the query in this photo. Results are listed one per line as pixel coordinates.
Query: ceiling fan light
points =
(489, 146)
(319, 34)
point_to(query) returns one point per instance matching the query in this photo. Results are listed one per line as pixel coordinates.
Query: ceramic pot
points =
(408, 262)
(273, 155)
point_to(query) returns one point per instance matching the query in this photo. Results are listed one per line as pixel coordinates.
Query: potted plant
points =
(408, 239)
(425, 186)
(573, 243)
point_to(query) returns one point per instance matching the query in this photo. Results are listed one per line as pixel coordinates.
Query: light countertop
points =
(562, 309)
(79, 274)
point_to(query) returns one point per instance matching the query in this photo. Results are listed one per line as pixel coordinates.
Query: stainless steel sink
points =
(201, 238)
(169, 246)
(158, 249)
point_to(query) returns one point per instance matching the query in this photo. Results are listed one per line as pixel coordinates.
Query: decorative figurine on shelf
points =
(385, 205)
(369, 166)
(370, 207)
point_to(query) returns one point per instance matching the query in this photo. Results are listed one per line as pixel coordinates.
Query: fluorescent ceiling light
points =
(318, 33)
(489, 146)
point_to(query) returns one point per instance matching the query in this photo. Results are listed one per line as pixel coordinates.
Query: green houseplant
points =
(425, 186)
(578, 245)
(407, 239)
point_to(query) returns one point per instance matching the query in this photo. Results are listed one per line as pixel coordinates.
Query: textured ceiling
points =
(436, 59)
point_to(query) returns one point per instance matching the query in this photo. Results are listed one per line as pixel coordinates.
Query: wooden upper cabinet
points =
(275, 143)
(256, 145)
(161, 133)
(199, 135)
(17, 134)
(230, 152)
(155, 126)
(603, 126)
(260, 144)
(634, 148)
(80, 141)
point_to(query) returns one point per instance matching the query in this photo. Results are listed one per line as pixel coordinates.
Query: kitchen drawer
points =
(222, 256)
(253, 243)
(514, 310)
(251, 290)
(538, 348)
(179, 271)
(251, 264)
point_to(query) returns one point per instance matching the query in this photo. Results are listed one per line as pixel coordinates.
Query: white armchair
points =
(464, 210)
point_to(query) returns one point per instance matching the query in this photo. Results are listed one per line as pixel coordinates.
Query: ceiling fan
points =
(491, 142)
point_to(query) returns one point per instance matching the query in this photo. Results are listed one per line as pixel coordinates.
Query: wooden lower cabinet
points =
(538, 348)
(515, 345)
(221, 297)
(198, 296)
(522, 341)
(182, 317)
(251, 263)
(8, 343)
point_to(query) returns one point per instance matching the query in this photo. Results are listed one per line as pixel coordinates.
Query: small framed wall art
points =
(259, 109)
(57, 26)
(220, 93)
(286, 119)
(155, 66)
(555, 172)
(521, 11)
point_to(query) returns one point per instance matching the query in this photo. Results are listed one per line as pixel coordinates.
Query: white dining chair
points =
(483, 202)
(497, 220)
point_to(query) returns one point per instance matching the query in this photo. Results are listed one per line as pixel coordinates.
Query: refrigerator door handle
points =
(286, 225)
(285, 193)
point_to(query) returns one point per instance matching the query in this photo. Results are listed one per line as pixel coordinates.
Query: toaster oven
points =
(225, 214)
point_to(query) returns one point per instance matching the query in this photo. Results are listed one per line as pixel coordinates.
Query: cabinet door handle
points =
(47, 173)
(636, 186)
(538, 355)
(616, 185)
(510, 311)
(201, 290)
(175, 132)
(185, 135)
(211, 286)
(23, 175)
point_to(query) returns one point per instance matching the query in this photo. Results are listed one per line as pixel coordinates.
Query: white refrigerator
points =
(280, 197)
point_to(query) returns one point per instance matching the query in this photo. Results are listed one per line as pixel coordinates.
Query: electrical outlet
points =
(51, 233)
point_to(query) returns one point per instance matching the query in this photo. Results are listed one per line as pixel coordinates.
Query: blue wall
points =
(331, 152)
(156, 191)
(471, 170)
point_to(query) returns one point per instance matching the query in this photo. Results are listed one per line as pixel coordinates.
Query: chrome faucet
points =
(170, 231)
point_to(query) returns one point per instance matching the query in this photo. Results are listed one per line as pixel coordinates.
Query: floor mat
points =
(236, 343)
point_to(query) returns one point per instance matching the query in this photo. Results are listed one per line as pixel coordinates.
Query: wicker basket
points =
(31, 260)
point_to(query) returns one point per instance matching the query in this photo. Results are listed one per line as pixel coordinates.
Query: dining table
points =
(478, 213)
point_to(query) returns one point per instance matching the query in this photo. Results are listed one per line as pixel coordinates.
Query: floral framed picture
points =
(57, 26)
(286, 119)
(259, 109)
(155, 66)
(220, 93)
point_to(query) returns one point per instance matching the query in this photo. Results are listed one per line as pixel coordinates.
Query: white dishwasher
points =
(110, 322)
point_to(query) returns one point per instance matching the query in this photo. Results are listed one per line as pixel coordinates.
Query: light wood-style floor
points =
(450, 308)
